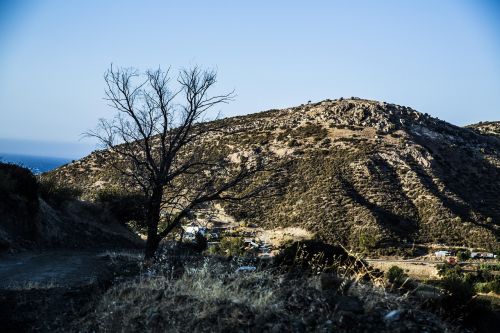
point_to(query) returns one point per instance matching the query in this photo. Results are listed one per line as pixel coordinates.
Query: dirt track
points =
(53, 268)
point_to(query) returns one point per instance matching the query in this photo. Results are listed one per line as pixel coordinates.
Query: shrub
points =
(367, 241)
(124, 206)
(315, 256)
(446, 270)
(293, 143)
(396, 275)
(54, 193)
(463, 255)
(459, 288)
(490, 267)
(231, 246)
(486, 287)
(298, 152)
(326, 142)
(17, 180)
(18, 185)
(281, 137)
(200, 242)
(312, 130)
(458, 285)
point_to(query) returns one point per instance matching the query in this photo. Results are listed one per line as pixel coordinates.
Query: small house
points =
(442, 254)
(482, 255)
(192, 230)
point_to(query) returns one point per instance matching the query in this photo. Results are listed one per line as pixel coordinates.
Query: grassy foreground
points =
(207, 294)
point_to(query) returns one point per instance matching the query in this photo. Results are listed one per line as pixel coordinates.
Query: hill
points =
(486, 127)
(36, 215)
(363, 173)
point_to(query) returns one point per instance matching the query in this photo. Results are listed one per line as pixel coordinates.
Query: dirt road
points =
(51, 269)
(416, 268)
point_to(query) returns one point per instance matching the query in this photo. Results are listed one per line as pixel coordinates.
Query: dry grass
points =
(33, 285)
(418, 271)
(279, 236)
(207, 295)
(113, 256)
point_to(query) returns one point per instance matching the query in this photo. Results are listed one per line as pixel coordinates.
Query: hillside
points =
(31, 217)
(364, 173)
(486, 127)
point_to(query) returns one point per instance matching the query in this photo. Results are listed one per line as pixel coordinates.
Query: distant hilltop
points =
(363, 173)
(487, 127)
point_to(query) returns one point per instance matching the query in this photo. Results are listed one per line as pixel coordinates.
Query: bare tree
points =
(160, 145)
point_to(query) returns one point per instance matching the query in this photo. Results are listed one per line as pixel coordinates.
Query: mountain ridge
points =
(364, 173)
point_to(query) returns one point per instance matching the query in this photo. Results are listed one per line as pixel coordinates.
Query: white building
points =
(192, 230)
(484, 255)
(442, 254)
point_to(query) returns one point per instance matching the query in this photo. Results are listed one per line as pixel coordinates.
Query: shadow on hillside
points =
(468, 176)
(402, 227)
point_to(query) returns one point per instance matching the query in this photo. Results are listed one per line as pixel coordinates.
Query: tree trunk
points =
(152, 243)
(181, 237)
(153, 219)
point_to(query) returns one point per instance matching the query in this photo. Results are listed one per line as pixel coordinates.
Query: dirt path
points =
(51, 269)
(418, 268)
(44, 291)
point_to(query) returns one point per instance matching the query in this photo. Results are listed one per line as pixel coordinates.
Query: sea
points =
(37, 164)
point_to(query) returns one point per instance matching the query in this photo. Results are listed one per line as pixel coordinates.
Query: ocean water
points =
(37, 164)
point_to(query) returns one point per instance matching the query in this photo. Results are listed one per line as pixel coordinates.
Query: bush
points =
(56, 194)
(459, 288)
(367, 241)
(458, 285)
(326, 142)
(16, 180)
(18, 186)
(126, 207)
(212, 296)
(396, 275)
(232, 246)
(200, 242)
(486, 287)
(463, 255)
(446, 270)
(312, 130)
(315, 256)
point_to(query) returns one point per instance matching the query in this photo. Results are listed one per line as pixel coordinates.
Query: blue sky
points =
(440, 57)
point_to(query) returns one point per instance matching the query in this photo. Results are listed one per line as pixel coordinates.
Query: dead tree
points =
(163, 146)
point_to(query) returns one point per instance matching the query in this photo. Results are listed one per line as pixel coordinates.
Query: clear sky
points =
(437, 56)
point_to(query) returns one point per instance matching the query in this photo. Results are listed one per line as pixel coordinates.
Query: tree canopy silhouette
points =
(158, 140)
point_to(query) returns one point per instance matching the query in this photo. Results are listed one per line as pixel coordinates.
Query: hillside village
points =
(260, 242)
